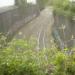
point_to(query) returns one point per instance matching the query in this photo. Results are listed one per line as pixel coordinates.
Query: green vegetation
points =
(64, 7)
(21, 58)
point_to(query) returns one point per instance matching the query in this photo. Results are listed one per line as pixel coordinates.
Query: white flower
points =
(20, 33)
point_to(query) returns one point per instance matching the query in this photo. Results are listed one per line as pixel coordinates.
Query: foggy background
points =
(4, 3)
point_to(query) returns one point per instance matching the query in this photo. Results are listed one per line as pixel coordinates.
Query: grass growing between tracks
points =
(19, 57)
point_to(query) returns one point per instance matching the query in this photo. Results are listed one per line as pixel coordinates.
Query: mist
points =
(4, 3)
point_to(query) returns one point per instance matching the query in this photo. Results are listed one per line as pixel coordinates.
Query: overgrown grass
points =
(20, 58)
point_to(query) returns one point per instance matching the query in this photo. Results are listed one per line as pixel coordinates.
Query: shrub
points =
(3, 41)
(64, 7)
(64, 64)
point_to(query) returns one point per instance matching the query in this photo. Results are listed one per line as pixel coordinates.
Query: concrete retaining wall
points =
(65, 28)
(11, 18)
